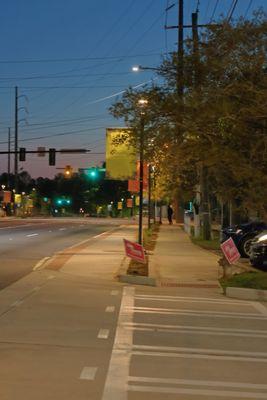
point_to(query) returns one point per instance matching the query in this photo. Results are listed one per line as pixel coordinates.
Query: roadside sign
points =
(134, 251)
(17, 198)
(119, 207)
(230, 250)
(129, 203)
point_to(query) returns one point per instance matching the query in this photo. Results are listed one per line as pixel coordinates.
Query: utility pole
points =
(204, 192)
(16, 140)
(149, 196)
(8, 159)
(180, 61)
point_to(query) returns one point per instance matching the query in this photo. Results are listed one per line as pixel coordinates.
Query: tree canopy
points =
(220, 122)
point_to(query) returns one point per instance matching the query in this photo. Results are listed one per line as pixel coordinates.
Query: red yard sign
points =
(230, 250)
(134, 251)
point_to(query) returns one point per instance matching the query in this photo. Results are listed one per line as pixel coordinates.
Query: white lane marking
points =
(17, 303)
(114, 292)
(10, 238)
(17, 226)
(194, 350)
(62, 229)
(103, 334)
(50, 231)
(101, 234)
(110, 309)
(119, 366)
(32, 234)
(204, 299)
(193, 382)
(260, 307)
(199, 314)
(40, 263)
(198, 392)
(88, 373)
(84, 241)
(198, 328)
(190, 300)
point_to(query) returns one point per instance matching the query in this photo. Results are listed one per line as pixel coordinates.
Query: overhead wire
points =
(141, 15)
(76, 132)
(231, 10)
(102, 39)
(207, 9)
(214, 10)
(58, 60)
(248, 8)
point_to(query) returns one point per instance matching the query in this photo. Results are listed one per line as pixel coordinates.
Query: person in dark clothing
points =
(170, 212)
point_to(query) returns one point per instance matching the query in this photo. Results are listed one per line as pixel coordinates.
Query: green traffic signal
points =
(92, 173)
(63, 201)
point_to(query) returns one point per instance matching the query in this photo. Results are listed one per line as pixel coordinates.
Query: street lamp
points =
(142, 103)
(137, 68)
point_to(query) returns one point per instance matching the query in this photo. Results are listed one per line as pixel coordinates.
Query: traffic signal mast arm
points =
(52, 153)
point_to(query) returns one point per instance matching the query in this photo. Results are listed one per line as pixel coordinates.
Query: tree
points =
(223, 123)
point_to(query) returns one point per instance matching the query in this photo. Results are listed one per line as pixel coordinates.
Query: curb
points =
(137, 280)
(246, 293)
(133, 279)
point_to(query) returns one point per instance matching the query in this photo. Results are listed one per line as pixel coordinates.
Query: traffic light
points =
(68, 171)
(92, 173)
(63, 201)
(22, 154)
(52, 156)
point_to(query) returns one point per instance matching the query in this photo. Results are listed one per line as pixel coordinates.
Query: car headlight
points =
(262, 238)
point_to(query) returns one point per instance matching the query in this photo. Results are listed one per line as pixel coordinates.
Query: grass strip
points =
(251, 280)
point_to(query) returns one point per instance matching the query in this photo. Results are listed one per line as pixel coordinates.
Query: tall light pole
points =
(16, 140)
(142, 103)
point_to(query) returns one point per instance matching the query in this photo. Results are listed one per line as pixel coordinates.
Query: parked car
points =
(258, 250)
(243, 235)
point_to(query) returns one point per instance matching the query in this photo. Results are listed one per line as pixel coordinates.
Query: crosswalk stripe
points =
(198, 392)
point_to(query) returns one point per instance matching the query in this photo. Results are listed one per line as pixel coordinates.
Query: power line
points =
(214, 10)
(231, 11)
(79, 132)
(58, 60)
(207, 9)
(248, 7)
(54, 76)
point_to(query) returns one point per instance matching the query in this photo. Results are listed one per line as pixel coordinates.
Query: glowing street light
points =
(138, 68)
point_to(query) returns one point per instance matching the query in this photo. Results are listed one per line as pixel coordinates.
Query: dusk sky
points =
(72, 59)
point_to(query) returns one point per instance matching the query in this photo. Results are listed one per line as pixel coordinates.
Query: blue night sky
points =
(71, 59)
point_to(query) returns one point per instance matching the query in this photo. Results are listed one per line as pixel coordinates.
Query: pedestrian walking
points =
(170, 213)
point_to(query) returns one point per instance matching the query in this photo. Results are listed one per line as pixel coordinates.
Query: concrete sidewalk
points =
(176, 261)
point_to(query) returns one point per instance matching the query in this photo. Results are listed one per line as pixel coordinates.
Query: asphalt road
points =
(24, 243)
